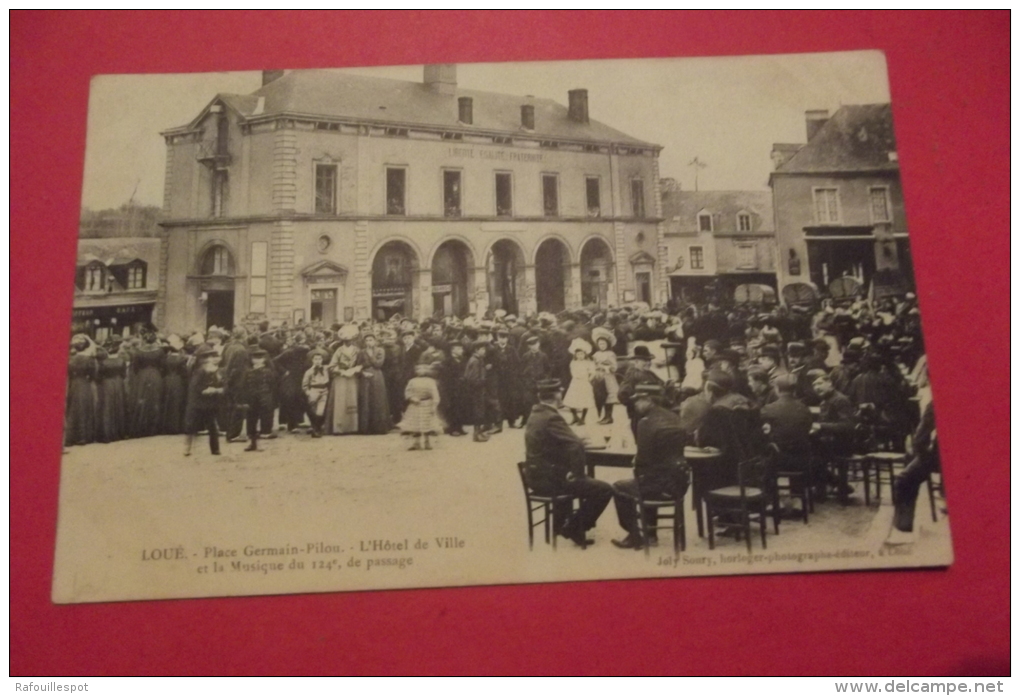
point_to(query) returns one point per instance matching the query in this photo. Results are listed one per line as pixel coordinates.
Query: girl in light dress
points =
(420, 418)
(605, 372)
(580, 397)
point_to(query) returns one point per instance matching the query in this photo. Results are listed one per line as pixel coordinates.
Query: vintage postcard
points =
(507, 323)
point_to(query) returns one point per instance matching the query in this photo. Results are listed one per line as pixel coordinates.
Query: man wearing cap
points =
(534, 367)
(315, 385)
(658, 470)
(257, 392)
(796, 357)
(731, 424)
(506, 376)
(555, 457)
(235, 363)
(473, 384)
(788, 422)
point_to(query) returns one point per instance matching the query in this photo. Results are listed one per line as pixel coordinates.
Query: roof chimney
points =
(815, 119)
(528, 117)
(270, 75)
(578, 101)
(441, 78)
(465, 110)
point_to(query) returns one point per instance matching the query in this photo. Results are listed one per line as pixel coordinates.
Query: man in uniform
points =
(658, 465)
(555, 458)
(638, 372)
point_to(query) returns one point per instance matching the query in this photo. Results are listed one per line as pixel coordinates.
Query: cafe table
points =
(702, 461)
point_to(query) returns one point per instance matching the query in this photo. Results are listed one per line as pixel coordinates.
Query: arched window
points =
(217, 261)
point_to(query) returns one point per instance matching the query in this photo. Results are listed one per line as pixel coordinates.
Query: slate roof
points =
(856, 138)
(328, 93)
(681, 210)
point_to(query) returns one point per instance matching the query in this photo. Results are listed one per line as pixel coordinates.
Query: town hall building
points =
(330, 197)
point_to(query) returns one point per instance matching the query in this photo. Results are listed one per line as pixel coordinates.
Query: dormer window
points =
(743, 222)
(95, 277)
(704, 221)
(136, 277)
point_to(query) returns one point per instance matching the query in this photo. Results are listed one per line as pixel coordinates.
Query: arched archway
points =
(453, 278)
(596, 272)
(506, 279)
(216, 269)
(552, 259)
(394, 270)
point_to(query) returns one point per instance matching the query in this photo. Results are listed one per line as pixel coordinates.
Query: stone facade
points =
(330, 197)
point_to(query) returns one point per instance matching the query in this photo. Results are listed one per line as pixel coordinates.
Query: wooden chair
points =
(545, 505)
(749, 501)
(794, 478)
(669, 508)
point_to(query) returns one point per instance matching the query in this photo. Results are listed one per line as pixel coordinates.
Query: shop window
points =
(396, 191)
(325, 189)
(504, 194)
(592, 196)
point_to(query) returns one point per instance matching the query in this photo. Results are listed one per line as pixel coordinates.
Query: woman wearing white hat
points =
(342, 407)
(580, 397)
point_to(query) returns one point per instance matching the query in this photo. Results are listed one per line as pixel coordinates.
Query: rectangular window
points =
(396, 191)
(697, 258)
(705, 222)
(743, 222)
(219, 193)
(504, 194)
(746, 256)
(592, 196)
(637, 196)
(550, 195)
(827, 206)
(451, 193)
(325, 189)
(136, 278)
(879, 204)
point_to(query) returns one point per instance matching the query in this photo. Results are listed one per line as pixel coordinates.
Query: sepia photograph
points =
(477, 324)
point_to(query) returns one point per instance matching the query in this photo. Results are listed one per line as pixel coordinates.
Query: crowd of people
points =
(860, 362)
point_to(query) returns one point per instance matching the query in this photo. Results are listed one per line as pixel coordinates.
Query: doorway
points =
(219, 309)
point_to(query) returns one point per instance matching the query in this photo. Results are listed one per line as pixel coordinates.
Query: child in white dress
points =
(580, 397)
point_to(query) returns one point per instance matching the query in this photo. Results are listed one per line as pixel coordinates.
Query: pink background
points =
(949, 75)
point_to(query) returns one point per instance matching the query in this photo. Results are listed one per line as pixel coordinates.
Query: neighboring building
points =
(115, 285)
(719, 244)
(840, 224)
(330, 197)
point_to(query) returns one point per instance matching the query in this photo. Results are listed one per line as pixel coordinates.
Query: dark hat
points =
(481, 343)
(642, 353)
(205, 351)
(722, 379)
(317, 351)
(713, 344)
(786, 383)
(547, 386)
(820, 344)
(502, 331)
(648, 390)
(531, 340)
(259, 353)
(852, 354)
(769, 352)
(816, 373)
(796, 350)
(758, 373)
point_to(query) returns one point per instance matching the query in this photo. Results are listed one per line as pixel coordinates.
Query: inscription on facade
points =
(495, 155)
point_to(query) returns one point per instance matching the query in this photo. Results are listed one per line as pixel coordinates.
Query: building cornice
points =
(233, 222)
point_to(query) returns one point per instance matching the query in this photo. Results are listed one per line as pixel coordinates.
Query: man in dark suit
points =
(658, 465)
(555, 457)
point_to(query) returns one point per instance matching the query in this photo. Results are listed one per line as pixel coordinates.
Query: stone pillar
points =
(662, 251)
(573, 290)
(421, 294)
(480, 298)
(362, 300)
(528, 302)
(281, 243)
(622, 263)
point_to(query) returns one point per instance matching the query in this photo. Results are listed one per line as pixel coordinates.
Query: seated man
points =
(555, 458)
(658, 465)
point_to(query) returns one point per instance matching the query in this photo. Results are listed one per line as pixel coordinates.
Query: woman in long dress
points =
(373, 399)
(113, 368)
(580, 397)
(146, 406)
(80, 420)
(342, 407)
